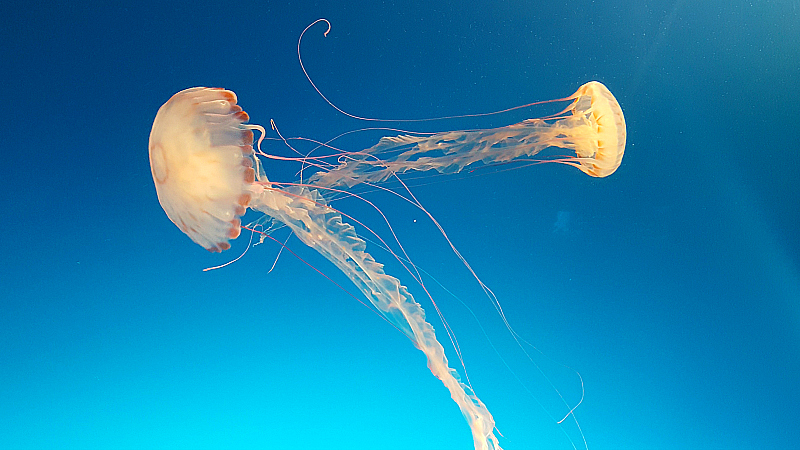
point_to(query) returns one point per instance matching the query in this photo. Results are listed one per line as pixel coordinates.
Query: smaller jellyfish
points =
(594, 130)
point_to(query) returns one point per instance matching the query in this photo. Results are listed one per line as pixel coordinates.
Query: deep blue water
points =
(671, 286)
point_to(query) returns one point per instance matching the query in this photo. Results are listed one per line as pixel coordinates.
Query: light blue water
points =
(672, 286)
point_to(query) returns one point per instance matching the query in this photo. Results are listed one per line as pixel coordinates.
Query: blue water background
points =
(671, 286)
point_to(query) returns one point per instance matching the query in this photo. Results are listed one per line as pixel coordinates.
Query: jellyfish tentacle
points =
(323, 229)
(373, 119)
(448, 152)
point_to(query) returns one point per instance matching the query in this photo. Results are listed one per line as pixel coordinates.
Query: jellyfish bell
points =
(602, 142)
(201, 160)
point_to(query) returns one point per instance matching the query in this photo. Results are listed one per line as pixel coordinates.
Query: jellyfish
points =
(594, 129)
(207, 173)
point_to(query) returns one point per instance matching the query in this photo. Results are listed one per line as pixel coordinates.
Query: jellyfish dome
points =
(603, 142)
(201, 160)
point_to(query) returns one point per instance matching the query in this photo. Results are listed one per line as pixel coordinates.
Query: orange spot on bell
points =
(249, 175)
(244, 199)
(236, 229)
(247, 137)
(228, 95)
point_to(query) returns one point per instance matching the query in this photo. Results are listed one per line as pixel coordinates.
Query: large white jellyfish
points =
(207, 173)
